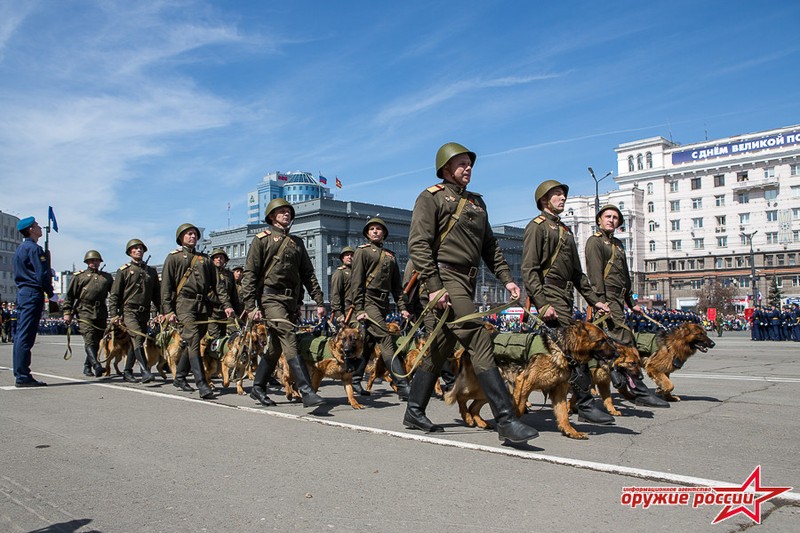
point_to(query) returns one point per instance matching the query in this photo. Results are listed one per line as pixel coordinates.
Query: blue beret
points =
(25, 223)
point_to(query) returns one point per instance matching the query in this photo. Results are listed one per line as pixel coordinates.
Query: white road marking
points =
(771, 379)
(650, 475)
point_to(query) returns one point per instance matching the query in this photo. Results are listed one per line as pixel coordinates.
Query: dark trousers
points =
(30, 304)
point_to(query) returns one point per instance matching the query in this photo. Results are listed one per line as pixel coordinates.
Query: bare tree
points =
(715, 294)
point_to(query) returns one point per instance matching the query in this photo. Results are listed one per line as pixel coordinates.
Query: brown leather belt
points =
(617, 291)
(283, 292)
(377, 293)
(561, 284)
(471, 272)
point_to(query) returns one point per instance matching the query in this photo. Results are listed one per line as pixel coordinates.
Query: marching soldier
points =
(449, 236)
(341, 302)
(608, 273)
(238, 274)
(188, 278)
(376, 275)
(551, 269)
(278, 264)
(218, 330)
(136, 288)
(86, 296)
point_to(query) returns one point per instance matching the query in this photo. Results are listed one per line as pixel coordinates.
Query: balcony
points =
(752, 184)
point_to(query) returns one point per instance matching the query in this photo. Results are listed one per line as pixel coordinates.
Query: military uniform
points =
(278, 264)
(86, 298)
(135, 292)
(218, 330)
(340, 290)
(191, 305)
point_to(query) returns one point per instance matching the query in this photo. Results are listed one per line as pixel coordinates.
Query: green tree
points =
(774, 296)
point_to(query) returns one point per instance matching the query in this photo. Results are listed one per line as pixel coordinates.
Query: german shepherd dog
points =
(241, 351)
(153, 354)
(347, 347)
(627, 359)
(115, 344)
(547, 372)
(677, 346)
(376, 368)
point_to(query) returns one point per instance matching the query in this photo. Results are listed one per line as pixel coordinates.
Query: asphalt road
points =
(103, 455)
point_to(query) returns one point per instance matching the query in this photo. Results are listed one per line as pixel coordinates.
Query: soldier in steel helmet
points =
(376, 276)
(136, 291)
(551, 270)
(86, 298)
(341, 303)
(218, 330)
(238, 274)
(607, 269)
(449, 236)
(277, 265)
(189, 282)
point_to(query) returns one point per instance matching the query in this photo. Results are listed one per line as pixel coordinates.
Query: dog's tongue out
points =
(631, 384)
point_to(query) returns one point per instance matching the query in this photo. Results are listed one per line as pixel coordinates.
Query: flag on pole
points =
(323, 180)
(338, 183)
(283, 177)
(51, 219)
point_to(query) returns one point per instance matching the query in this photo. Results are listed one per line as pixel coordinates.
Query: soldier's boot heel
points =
(297, 366)
(420, 394)
(147, 376)
(508, 426)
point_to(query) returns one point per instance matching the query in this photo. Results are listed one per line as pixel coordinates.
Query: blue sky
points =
(130, 118)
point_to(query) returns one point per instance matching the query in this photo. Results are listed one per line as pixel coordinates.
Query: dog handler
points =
(449, 236)
(551, 270)
(278, 264)
(86, 294)
(376, 275)
(341, 302)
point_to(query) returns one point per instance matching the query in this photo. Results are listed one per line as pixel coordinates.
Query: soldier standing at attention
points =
(188, 278)
(136, 288)
(86, 296)
(278, 264)
(34, 280)
(607, 268)
(340, 291)
(551, 269)
(218, 330)
(376, 275)
(449, 236)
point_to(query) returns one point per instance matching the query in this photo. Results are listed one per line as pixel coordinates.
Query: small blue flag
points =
(51, 219)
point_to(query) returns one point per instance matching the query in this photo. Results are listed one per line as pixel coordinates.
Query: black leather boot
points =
(643, 395)
(299, 371)
(91, 355)
(259, 390)
(396, 370)
(358, 376)
(181, 371)
(421, 389)
(200, 377)
(87, 363)
(508, 426)
(147, 376)
(581, 381)
(127, 373)
(448, 377)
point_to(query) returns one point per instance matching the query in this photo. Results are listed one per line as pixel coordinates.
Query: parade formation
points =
(202, 312)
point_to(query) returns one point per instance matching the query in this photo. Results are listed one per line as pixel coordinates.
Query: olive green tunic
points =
(341, 282)
(86, 298)
(607, 268)
(135, 290)
(549, 278)
(217, 329)
(452, 263)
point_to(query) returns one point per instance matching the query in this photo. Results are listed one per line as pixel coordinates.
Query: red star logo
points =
(753, 479)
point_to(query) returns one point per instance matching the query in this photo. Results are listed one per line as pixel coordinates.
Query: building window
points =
(718, 262)
(719, 180)
(650, 207)
(795, 191)
(675, 206)
(639, 162)
(698, 244)
(697, 203)
(722, 242)
(743, 239)
(719, 200)
(796, 213)
(769, 172)
(772, 237)
(696, 183)
(650, 186)
(621, 206)
(673, 186)
(770, 194)
(741, 176)
(791, 259)
(676, 245)
(648, 157)
(795, 235)
(794, 170)
(651, 226)
(744, 218)
(630, 164)
(781, 260)
(651, 266)
(697, 222)
(795, 281)
(721, 220)
(675, 224)
(768, 261)
(696, 284)
(772, 216)
(743, 197)
(652, 246)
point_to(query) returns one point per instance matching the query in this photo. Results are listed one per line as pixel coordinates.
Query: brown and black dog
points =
(347, 347)
(547, 372)
(676, 347)
(627, 359)
(241, 351)
(114, 346)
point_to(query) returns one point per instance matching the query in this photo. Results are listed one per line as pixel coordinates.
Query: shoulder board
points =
(598, 234)
(433, 189)
(539, 219)
(566, 228)
(389, 253)
(263, 234)
(341, 268)
(126, 265)
(475, 194)
(175, 251)
(366, 245)
(78, 272)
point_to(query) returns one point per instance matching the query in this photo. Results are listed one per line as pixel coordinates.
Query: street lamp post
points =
(749, 237)
(597, 188)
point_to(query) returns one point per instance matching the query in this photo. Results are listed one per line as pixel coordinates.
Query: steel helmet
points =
(219, 251)
(547, 186)
(613, 208)
(184, 227)
(346, 250)
(92, 254)
(375, 220)
(275, 204)
(132, 243)
(449, 151)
